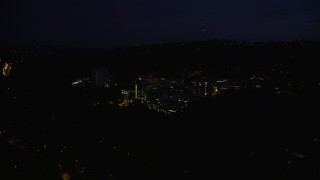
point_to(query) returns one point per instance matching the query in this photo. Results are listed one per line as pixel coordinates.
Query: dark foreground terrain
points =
(51, 130)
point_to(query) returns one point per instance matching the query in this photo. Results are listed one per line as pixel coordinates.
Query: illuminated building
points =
(141, 88)
(136, 91)
(142, 93)
(223, 84)
(203, 88)
(215, 91)
(127, 98)
(194, 88)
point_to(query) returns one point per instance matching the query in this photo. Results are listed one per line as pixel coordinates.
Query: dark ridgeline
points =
(49, 127)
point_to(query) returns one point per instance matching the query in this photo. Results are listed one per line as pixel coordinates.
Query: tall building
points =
(136, 91)
(101, 77)
(141, 89)
(203, 88)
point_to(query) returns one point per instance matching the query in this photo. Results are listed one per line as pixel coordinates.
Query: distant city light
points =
(6, 69)
(298, 155)
(65, 176)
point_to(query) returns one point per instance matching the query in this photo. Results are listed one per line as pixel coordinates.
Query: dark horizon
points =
(61, 46)
(69, 115)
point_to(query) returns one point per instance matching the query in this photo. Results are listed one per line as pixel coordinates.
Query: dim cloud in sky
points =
(108, 23)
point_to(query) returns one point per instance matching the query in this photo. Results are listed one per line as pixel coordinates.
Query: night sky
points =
(112, 23)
